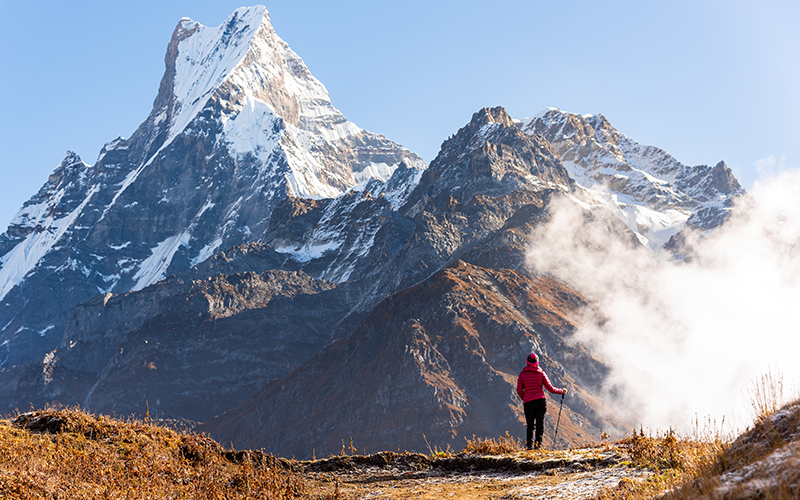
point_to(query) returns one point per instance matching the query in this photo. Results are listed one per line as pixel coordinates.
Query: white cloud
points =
(687, 339)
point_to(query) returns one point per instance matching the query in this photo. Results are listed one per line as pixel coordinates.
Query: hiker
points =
(530, 382)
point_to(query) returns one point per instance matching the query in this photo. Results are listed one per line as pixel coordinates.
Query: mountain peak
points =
(485, 123)
(723, 180)
(242, 78)
(243, 17)
(497, 114)
(200, 59)
(491, 156)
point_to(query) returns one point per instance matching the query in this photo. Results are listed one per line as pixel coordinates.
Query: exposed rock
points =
(490, 156)
(648, 178)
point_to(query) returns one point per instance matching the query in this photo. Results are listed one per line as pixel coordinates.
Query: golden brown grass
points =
(674, 460)
(763, 462)
(72, 454)
(493, 446)
(766, 395)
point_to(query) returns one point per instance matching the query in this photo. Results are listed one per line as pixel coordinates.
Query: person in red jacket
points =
(530, 386)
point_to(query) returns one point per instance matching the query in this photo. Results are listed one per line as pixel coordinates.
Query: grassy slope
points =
(763, 462)
(71, 454)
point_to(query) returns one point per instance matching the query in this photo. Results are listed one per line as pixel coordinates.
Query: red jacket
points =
(530, 382)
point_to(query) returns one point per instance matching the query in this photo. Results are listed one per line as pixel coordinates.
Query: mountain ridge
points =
(636, 181)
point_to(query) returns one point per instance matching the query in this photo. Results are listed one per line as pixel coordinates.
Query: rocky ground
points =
(567, 474)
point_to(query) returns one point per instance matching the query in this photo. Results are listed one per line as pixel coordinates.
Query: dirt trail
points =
(572, 474)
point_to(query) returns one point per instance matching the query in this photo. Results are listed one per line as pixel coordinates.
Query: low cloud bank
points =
(688, 340)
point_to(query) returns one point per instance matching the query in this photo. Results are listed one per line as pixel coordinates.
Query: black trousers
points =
(534, 417)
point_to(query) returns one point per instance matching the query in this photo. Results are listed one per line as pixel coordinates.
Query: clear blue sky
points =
(705, 80)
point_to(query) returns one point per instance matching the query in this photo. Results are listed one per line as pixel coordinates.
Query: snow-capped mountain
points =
(238, 125)
(653, 193)
(436, 309)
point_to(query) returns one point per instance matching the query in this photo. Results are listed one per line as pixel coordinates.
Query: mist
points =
(688, 340)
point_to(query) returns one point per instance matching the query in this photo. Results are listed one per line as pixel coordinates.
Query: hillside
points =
(438, 360)
(71, 454)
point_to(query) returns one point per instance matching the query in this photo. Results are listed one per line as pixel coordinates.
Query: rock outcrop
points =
(186, 349)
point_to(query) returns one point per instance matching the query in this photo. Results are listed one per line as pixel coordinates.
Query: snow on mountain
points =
(265, 88)
(154, 268)
(650, 191)
(243, 148)
(206, 57)
(44, 223)
(432, 259)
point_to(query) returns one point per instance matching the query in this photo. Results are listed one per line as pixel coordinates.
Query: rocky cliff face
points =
(490, 156)
(638, 182)
(484, 176)
(104, 362)
(597, 153)
(187, 349)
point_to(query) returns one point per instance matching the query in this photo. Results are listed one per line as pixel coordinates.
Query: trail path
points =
(573, 474)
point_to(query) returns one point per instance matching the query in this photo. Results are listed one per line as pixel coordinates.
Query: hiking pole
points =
(558, 421)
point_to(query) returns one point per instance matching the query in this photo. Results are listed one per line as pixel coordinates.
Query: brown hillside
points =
(432, 365)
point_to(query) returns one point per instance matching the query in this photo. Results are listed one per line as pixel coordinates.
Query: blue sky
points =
(705, 81)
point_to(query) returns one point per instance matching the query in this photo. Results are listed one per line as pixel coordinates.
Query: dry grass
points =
(674, 459)
(766, 395)
(763, 462)
(72, 454)
(493, 446)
